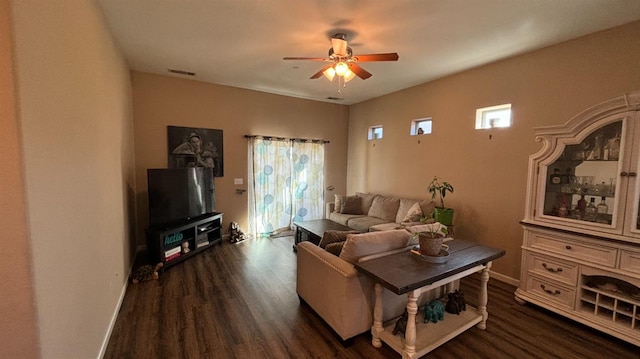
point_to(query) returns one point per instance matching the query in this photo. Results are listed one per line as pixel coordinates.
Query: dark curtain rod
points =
(276, 138)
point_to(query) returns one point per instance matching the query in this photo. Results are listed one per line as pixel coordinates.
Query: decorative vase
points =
(430, 243)
(444, 215)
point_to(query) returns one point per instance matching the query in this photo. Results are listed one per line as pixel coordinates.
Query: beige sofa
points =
(366, 212)
(338, 293)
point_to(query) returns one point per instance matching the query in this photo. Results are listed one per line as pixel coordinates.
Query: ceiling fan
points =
(342, 61)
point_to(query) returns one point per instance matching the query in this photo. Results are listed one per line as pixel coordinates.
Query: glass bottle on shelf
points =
(602, 209)
(568, 180)
(591, 211)
(581, 206)
(614, 147)
(563, 210)
(596, 154)
(555, 178)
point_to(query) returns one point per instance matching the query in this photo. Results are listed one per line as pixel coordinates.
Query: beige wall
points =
(160, 101)
(75, 116)
(487, 168)
(18, 336)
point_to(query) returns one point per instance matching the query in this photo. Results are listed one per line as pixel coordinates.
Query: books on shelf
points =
(172, 251)
(202, 237)
(172, 257)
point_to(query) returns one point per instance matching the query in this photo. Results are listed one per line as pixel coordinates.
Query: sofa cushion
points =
(343, 219)
(362, 223)
(414, 214)
(404, 207)
(351, 205)
(365, 244)
(367, 200)
(333, 236)
(335, 248)
(338, 203)
(386, 227)
(407, 206)
(384, 208)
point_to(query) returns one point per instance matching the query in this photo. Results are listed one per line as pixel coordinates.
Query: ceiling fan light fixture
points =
(341, 68)
(349, 75)
(329, 73)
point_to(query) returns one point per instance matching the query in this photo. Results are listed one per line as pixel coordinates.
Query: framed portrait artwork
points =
(195, 147)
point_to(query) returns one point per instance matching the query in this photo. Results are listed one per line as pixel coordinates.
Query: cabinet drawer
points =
(550, 291)
(564, 247)
(630, 261)
(552, 268)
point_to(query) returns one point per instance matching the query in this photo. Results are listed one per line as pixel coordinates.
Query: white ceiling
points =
(241, 43)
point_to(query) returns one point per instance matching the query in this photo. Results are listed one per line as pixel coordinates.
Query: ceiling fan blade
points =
(359, 71)
(306, 58)
(392, 56)
(319, 73)
(339, 46)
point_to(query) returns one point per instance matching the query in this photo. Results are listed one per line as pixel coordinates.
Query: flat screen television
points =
(179, 194)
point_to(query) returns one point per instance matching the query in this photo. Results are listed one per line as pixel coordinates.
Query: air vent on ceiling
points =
(182, 72)
(335, 98)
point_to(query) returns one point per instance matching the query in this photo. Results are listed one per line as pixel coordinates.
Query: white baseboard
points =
(504, 278)
(114, 317)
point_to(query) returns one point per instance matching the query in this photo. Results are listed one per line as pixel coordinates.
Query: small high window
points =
(493, 117)
(375, 132)
(421, 126)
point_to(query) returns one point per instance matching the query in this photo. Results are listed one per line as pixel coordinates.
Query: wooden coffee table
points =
(408, 273)
(314, 229)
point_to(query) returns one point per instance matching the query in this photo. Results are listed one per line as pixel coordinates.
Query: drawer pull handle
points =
(552, 270)
(551, 292)
(568, 247)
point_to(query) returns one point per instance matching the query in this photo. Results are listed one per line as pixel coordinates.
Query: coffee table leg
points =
(483, 297)
(409, 350)
(377, 327)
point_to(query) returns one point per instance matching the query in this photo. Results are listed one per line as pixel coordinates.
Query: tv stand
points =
(174, 243)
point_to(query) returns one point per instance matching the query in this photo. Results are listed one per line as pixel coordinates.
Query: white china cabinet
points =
(581, 247)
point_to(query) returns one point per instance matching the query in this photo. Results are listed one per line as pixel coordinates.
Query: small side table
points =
(408, 273)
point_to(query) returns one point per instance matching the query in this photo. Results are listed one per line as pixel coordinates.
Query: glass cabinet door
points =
(581, 184)
(630, 174)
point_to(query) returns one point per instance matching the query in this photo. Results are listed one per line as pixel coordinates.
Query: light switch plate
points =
(237, 181)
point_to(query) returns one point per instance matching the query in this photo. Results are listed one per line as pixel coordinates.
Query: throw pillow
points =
(367, 200)
(403, 209)
(384, 208)
(427, 206)
(338, 203)
(335, 248)
(351, 205)
(333, 236)
(414, 214)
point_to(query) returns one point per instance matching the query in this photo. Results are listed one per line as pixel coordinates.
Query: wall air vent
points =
(182, 72)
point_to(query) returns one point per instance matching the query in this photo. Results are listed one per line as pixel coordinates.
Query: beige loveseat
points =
(338, 293)
(366, 212)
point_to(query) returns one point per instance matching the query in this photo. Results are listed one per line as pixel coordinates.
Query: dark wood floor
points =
(239, 301)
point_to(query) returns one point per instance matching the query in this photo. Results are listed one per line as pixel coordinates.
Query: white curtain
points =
(286, 181)
(308, 180)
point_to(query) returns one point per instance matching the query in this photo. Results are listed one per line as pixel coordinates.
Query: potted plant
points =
(438, 187)
(431, 241)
